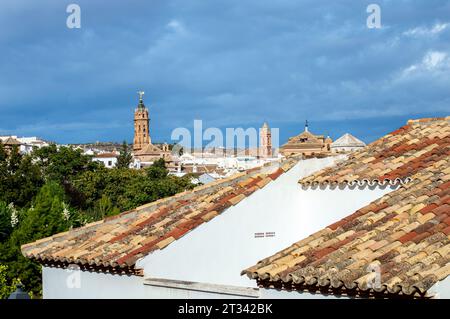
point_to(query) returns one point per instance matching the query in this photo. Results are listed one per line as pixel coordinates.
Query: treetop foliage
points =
(58, 188)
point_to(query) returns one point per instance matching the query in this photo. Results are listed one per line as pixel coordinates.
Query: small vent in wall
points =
(266, 234)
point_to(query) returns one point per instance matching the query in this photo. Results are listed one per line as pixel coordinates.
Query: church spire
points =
(265, 141)
(141, 100)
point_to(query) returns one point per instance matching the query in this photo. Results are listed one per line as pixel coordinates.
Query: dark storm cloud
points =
(230, 63)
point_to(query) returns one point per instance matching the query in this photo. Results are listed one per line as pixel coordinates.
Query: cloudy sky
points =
(232, 63)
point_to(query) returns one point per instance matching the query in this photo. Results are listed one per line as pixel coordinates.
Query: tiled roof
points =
(304, 138)
(116, 243)
(11, 141)
(201, 168)
(405, 234)
(149, 149)
(394, 158)
(105, 155)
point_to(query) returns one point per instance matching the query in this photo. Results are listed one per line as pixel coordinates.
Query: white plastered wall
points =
(217, 251)
(61, 284)
(75, 284)
(441, 290)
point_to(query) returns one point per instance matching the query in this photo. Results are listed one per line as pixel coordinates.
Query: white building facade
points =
(109, 160)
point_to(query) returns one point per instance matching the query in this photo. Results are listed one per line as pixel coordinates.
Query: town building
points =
(144, 152)
(151, 152)
(9, 143)
(98, 147)
(28, 144)
(224, 164)
(141, 125)
(347, 143)
(265, 141)
(25, 145)
(307, 144)
(109, 160)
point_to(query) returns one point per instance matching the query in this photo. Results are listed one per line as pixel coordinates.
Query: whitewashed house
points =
(31, 143)
(109, 160)
(196, 244)
(27, 144)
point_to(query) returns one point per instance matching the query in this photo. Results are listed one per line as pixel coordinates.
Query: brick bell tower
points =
(265, 141)
(141, 125)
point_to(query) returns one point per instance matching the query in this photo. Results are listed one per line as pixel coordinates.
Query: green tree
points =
(44, 219)
(157, 170)
(15, 158)
(20, 178)
(128, 188)
(5, 222)
(124, 159)
(2, 152)
(89, 187)
(23, 181)
(104, 208)
(6, 287)
(64, 163)
(3, 163)
(56, 189)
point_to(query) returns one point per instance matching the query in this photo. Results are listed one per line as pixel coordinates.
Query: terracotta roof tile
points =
(447, 221)
(276, 174)
(446, 230)
(236, 199)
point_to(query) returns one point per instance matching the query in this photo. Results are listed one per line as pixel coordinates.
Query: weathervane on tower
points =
(141, 93)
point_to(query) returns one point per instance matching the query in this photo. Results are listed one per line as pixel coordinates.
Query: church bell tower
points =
(141, 125)
(265, 141)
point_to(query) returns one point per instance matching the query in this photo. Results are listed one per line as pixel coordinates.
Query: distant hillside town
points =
(207, 164)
